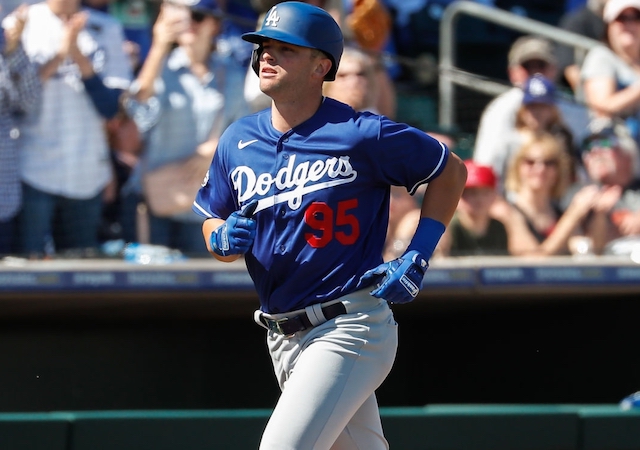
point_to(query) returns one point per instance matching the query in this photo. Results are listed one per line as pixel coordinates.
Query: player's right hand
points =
(236, 235)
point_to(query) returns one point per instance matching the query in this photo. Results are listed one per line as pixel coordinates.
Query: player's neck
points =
(286, 115)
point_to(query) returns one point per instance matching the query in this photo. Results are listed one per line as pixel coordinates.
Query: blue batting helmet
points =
(300, 24)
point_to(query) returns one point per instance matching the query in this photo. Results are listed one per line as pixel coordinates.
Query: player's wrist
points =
(418, 259)
(219, 241)
(426, 237)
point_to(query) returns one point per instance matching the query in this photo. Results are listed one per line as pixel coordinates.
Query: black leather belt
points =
(291, 325)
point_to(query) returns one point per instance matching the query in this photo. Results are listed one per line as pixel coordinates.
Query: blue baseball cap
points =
(539, 89)
(209, 7)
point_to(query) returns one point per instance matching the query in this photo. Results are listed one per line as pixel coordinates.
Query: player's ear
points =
(323, 66)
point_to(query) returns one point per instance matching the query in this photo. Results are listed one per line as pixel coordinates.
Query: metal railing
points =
(450, 75)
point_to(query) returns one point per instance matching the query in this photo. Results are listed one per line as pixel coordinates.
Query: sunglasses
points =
(601, 143)
(361, 74)
(197, 16)
(547, 163)
(535, 65)
(627, 18)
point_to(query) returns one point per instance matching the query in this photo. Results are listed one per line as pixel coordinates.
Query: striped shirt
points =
(20, 94)
(65, 151)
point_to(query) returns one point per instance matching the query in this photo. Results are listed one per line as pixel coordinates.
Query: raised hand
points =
(172, 20)
(72, 27)
(13, 33)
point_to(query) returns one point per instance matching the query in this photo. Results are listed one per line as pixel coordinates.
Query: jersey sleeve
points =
(407, 156)
(216, 198)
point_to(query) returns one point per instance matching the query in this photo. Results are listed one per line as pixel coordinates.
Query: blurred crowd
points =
(111, 111)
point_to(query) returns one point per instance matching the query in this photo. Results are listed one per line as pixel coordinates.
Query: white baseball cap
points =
(613, 8)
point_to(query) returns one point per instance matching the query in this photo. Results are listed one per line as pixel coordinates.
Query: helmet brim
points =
(257, 37)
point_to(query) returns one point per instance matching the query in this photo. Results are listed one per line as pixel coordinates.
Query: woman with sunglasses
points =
(611, 73)
(186, 93)
(539, 175)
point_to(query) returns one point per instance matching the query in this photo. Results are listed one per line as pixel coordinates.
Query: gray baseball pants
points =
(328, 376)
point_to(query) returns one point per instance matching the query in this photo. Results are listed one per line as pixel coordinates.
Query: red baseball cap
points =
(479, 175)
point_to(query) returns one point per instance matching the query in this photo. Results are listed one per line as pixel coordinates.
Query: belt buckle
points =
(276, 327)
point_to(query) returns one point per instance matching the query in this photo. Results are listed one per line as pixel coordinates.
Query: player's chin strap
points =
(401, 279)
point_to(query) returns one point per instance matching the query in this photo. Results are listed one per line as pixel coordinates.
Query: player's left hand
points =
(401, 278)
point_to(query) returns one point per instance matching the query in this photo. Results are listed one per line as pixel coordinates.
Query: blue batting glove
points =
(236, 235)
(401, 279)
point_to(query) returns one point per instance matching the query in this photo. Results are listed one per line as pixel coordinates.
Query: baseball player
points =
(302, 191)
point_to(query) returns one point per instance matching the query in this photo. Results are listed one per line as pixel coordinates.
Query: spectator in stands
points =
(240, 18)
(538, 113)
(612, 162)
(122, 136)
(586, 21)
(136, 46)
(411, 42)
(182, 100)
(529, 55)
(20, 96)
(65, 162)
(125, 146)
(472, 230)
(539, 175)
(368, 25)
(355, 82)
(136, 19)
(611, 73)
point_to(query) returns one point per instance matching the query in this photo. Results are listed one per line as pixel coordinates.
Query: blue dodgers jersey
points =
(323, 190)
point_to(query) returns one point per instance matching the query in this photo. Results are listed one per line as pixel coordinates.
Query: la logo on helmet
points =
(272, 18)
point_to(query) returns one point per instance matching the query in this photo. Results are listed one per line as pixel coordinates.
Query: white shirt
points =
(494, 145)
(65, 149)
(187, 111)
(497, 124)
(602, 62)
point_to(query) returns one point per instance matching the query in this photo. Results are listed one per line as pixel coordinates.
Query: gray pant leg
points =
(328, 377)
